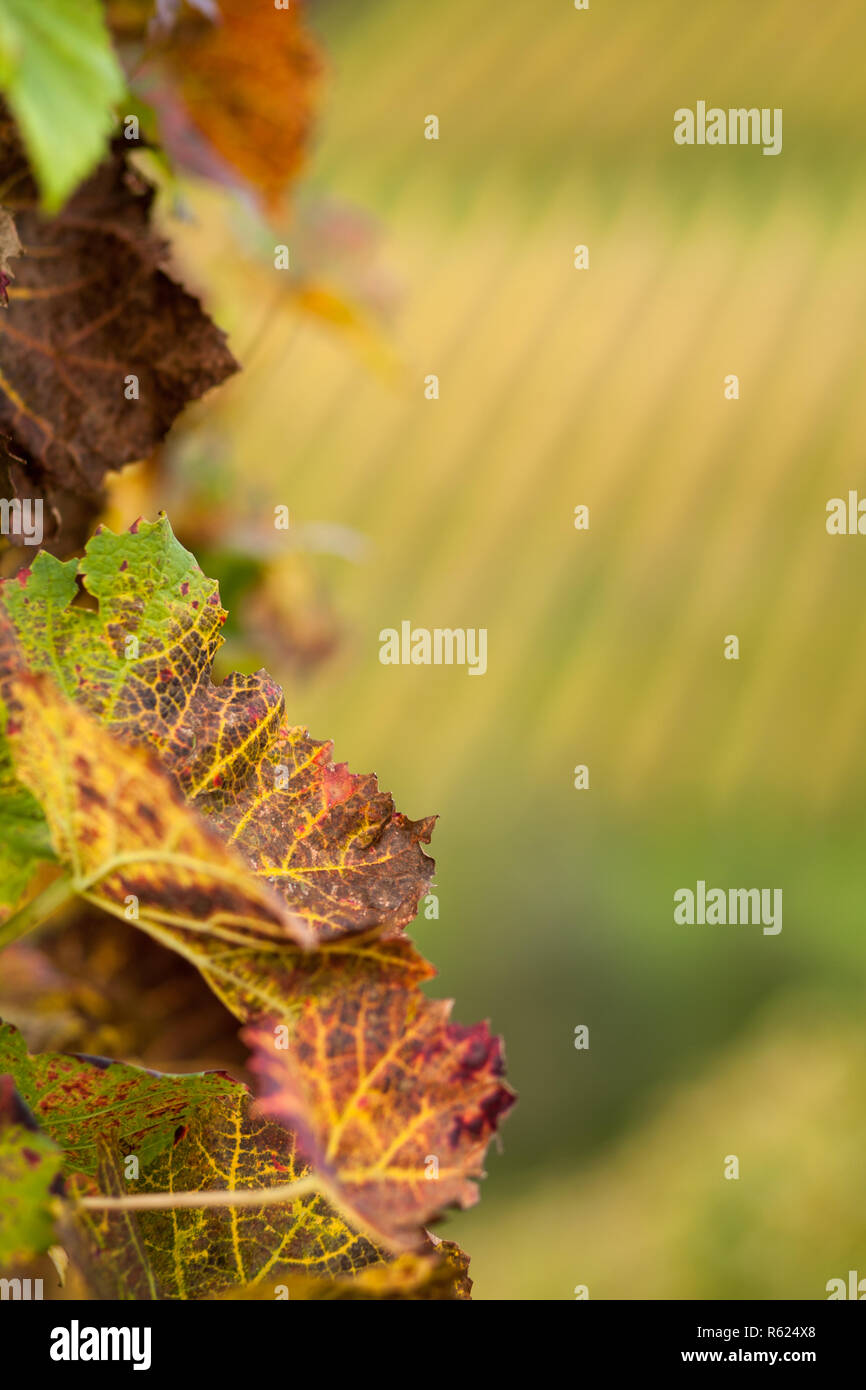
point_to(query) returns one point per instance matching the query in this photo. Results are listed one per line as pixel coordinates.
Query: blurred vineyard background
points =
(605, 388)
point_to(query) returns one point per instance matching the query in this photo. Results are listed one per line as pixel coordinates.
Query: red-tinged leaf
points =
(392, 1104)
(327, 841)
(186, 1134)
(128, 840)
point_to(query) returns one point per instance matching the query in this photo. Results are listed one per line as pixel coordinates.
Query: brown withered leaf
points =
(392, 1104)
(233, 85)
(328, 842)
(91, 313)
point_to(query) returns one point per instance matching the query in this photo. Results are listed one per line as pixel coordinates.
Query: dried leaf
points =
(99, 349)
(391, 1103)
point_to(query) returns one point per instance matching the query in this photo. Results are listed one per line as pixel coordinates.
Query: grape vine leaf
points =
(392, 1104)
(189, 1133)
(29, 1180)
(100, 349)
(327, 842)
(80, 1101)
(442, 1274)
(233, 86)
(133, 846)
(25, 840)
(60, 76)
(94, 983)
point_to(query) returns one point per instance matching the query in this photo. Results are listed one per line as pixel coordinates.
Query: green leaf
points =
(79, 1101)
(25, 841)
(61, 79)
(29, 1168)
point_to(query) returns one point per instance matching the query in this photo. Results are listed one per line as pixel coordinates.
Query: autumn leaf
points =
(189, 1134)
(192, 1135)
(95, 985)
(99, 348)
(79, 1101)
(233, 85)
(29, 1172)
(131, 843)
(327, 842)
(441, 1275)
(108, 1246)
(392, 1104)
(98, 984)
(277, 980)
(177, 804)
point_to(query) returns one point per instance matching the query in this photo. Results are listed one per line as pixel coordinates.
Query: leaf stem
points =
(207, 1197)
(59, 891)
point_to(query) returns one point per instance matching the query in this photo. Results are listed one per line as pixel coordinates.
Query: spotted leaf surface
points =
(29, 1180)
(188, 1133)
(80, 1102)
(393, 1104)
(130, 842)
(328, 842)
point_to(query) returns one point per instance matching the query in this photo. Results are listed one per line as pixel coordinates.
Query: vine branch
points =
(59, 891)
(208, 1197)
